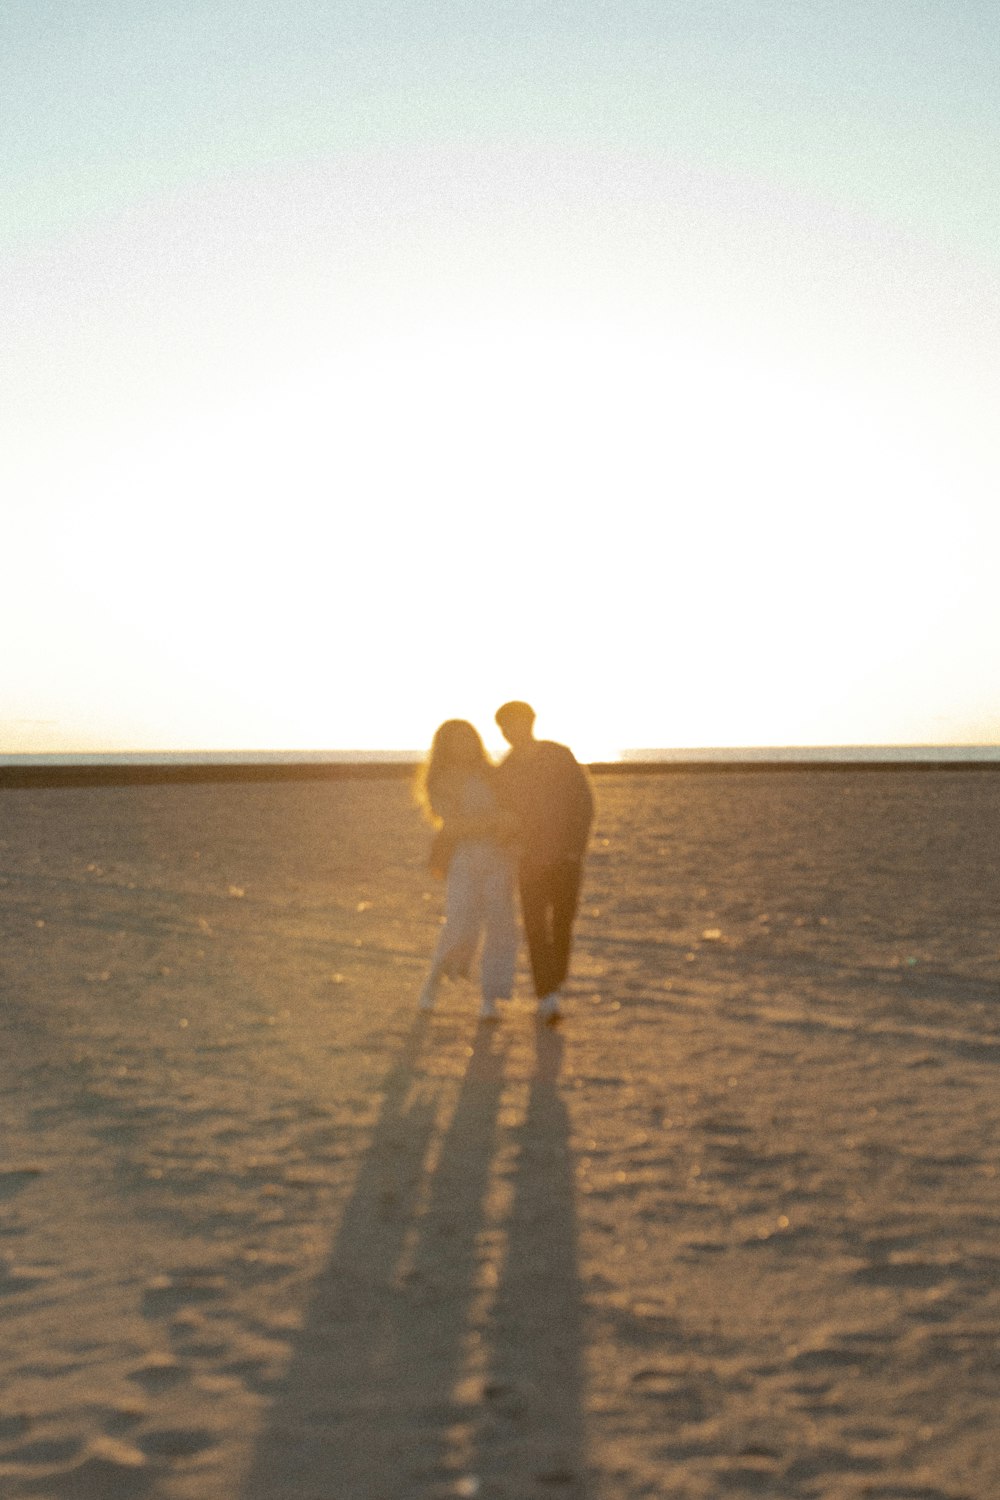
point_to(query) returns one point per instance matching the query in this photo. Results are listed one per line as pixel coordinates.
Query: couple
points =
(527, 818)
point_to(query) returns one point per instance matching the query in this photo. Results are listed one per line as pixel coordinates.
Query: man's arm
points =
(581, 807)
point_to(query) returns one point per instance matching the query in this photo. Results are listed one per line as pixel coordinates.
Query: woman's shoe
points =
(427, 997)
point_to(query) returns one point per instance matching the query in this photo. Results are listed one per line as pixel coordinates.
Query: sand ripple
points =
(265, 1234)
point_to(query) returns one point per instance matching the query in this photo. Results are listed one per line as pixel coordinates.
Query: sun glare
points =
(657, 543)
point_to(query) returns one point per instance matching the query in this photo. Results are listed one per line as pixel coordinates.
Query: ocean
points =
(68, 769)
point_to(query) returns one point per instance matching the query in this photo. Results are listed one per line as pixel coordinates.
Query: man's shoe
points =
(488, 1011)
(550, 1008)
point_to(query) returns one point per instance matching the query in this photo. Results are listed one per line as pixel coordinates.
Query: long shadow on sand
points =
(441, 1352)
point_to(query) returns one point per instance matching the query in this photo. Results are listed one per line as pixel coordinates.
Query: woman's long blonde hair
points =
(456, 747)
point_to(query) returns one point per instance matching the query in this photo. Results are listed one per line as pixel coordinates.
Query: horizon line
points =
(394, 759)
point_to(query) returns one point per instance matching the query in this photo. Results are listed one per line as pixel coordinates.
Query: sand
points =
(266, 1234)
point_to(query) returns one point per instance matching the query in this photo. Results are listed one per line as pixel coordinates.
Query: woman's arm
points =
(496, 824)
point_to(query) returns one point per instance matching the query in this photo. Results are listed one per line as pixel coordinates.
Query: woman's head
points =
(456, 746)
(456, 749)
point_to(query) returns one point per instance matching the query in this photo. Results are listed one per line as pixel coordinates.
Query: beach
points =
(731, 1229)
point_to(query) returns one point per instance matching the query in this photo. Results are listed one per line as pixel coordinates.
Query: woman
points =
(471, 850)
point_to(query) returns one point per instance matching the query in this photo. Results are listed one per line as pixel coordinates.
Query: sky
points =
(366, 365)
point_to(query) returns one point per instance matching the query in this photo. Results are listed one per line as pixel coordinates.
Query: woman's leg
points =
(456, 944)
(501, 935)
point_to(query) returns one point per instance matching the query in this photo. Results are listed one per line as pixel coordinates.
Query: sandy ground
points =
(732, 1230)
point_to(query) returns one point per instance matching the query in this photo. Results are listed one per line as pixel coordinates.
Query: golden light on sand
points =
(262, 1192)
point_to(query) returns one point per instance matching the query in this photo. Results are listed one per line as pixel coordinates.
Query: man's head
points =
(517, 723)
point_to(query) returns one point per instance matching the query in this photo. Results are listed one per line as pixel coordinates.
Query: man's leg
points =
(535, 882)
(565, 898)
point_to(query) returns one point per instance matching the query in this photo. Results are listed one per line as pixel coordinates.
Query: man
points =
(548, 794)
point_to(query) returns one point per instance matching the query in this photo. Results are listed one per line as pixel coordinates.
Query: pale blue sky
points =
(368, 364)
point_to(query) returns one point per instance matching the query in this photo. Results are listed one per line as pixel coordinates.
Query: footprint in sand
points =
(176, 1442)
(833, 1359)
(912, 1492)
(681, 1398)
(906, 1273)
(856, 1350)
(45, 1451)
(159, 1373)
(811, 1466)
(15, 1179)
(165, 1295)
(14, 1426)
(14, 1278)
(107, 1470)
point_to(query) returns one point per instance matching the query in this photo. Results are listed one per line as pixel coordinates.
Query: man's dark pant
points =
(549, 896)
